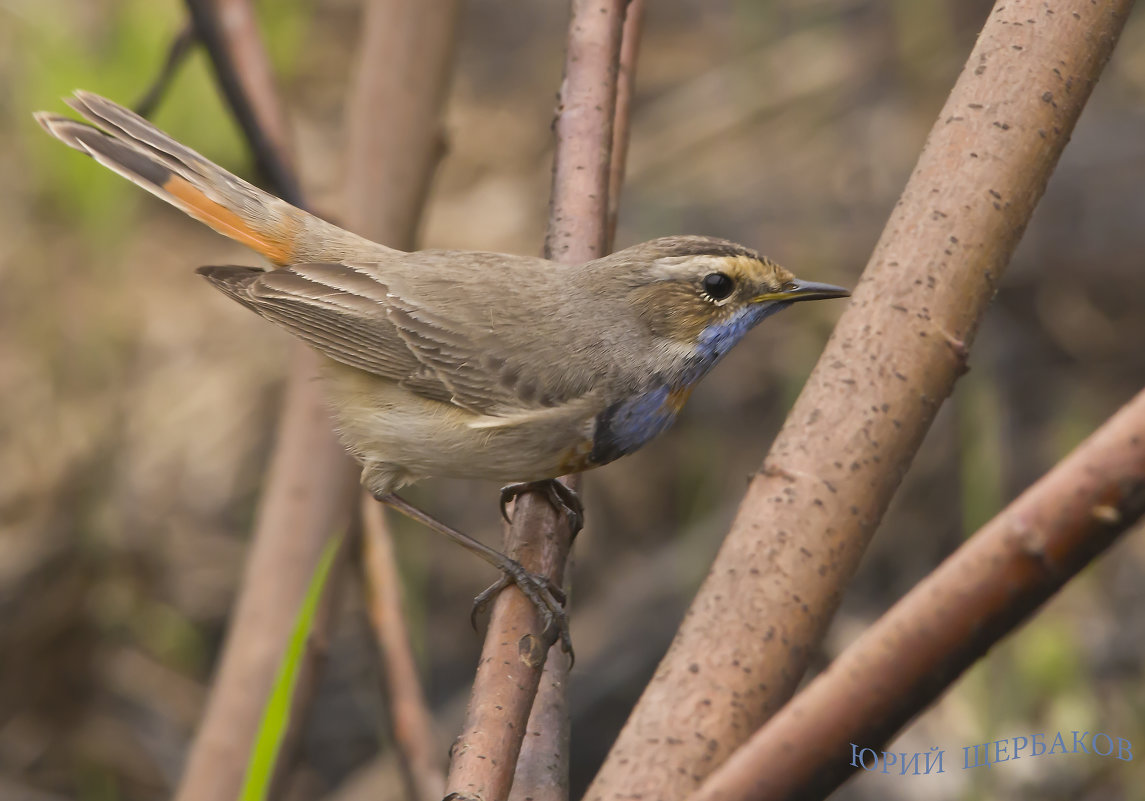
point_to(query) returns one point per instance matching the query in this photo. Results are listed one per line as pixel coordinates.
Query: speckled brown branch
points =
(310, 483)
(543, 765)
(542, 772)
(485, 753)
(918, 648)
(413, 728)
(892, 360)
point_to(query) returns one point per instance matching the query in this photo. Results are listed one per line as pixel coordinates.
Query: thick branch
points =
(979, 594)
(310, 482)
(394, 136)
(893, 358)
(309, 491)
(485, 753)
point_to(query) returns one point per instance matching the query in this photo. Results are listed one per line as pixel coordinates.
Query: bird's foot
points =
(559, 495)
(546, 596)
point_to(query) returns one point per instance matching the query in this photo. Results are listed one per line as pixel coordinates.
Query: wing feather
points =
(403, 329)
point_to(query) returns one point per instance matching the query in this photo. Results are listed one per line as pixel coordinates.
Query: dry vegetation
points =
(136, 405)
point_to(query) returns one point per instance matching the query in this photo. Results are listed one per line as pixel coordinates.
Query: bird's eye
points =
(717, 286)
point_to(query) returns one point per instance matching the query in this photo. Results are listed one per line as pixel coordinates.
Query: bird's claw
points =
(548, 599)
(559, 495)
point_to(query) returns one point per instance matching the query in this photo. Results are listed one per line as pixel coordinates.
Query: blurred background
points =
(137, 405)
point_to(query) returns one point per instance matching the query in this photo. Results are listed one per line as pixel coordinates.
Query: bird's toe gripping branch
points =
(562, 498)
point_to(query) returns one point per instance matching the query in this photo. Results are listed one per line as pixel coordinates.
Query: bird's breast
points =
(626, 425)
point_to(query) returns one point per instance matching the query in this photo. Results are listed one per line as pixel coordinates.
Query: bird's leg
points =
(548, 598)
(560, 496)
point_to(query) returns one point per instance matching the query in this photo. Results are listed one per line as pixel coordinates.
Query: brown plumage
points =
(459, 363)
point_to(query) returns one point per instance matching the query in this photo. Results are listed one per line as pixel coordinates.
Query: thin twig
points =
(176, 56)
(228, 30)
(621, 121)
(893, 358)
(412, 723)
(978, 595)
(582, 160)
(542, 772)
(485, 753)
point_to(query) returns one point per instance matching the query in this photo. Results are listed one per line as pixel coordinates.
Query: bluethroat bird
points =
(466, 364)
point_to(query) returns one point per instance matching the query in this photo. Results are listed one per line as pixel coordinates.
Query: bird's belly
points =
(401, 437)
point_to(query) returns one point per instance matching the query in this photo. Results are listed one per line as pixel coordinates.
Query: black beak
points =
(797, 290)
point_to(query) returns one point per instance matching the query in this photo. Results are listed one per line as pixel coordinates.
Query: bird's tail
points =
(137, 150)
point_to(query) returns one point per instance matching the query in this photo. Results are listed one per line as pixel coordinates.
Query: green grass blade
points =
(276, 717)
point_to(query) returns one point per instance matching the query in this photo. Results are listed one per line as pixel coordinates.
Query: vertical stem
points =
(543, 765)
(486, 752)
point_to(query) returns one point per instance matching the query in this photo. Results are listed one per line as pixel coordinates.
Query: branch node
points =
(772, 470)
(1104, 513)
(531, 650)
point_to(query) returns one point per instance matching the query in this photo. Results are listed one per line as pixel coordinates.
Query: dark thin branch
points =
(242, 70)
(893, 358)
(176, 56)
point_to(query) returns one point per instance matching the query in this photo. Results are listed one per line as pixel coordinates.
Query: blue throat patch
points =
(626, 425)
(716, 340)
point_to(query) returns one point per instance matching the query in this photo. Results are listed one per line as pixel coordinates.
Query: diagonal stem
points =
(979, 594)
(893, 358)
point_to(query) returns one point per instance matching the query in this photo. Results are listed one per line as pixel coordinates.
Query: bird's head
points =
(708, 292)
